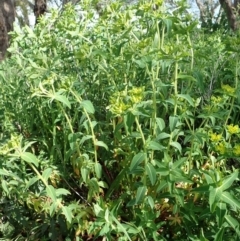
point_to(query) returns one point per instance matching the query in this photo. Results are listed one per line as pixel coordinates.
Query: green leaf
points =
(137, 159)
(98, 170)
(177, 176)
(67, 213)
(160, 123)
(51, 193)
(62, 99)
(221, 211)
(84, 173)
(188, 98)
(162, 185)
(150, 202)
(97, 209)
(116, 182)
(141, 192)
(102, 144)
(31, 182)
(4, 186)
(173, 120)
(151, 172)
(73, 138)
(30, 158)
(214, 197)
(219, 235)
(186, 77)
(229, 199)
(202, 189)
(120, 227)
(179, 163)
(228, 181)
(106, 215)
(163, 135)
(62, 191)
(153, 145)
(131, 203)
(202, 237)
(47, 173)
(93, 184)
(232, 221)
(88, 106)
(102, 184)
(53, 208)
(86, 137)
(176, 145)
(4, 172)
(208, 178)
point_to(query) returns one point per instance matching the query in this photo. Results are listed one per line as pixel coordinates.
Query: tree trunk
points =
(40, 8)
(7, 17)
(231, 12)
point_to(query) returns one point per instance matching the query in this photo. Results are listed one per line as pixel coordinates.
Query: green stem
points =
(175, 88)
(144, 144)
(79, 99)
(232, 101)
(140, 130)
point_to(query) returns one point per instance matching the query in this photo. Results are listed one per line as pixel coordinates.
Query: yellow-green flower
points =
(228, 89)
(221, 148)
(216, 99)
(136, 94)
(119, 108)
(215, 137)
(236, 150)
(232, 129)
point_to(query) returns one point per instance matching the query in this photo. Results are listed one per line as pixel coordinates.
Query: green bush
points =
(119, 128)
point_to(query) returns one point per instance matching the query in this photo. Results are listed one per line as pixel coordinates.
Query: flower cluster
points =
(121, 101)
(228, 144)
(216, 99)
(215, 137)
(233, 129)
(228, 89)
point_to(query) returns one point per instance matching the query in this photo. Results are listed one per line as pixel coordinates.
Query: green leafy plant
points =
(118, 128)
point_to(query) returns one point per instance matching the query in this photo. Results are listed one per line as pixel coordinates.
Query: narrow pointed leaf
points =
(140, 194)
(29, 158)
(178, 163)
(229, 199)
(221, 211)
(151, 172)
(137, 159)
(173, 120)
(62, 191)
(98, 170)
(51, 193)
(188, 98)
(176, 145)
(63, 99)
(227, 182)
(219, 235)
(150, 202)
(153, 145)
(88, 106)
(160, 123)
(67, 213)
(31, 182)
(102, 144)
(4, 186)
(232, 221)
(47, 173)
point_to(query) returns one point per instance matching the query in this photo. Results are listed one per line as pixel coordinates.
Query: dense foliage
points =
(122, 127)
